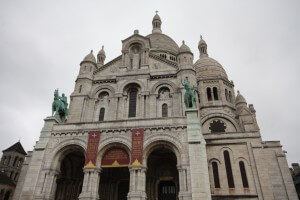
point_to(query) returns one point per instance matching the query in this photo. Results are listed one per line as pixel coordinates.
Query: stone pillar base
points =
(137, 196)
(87, 197)
(185, 196)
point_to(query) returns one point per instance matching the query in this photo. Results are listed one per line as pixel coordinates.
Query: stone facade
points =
(212, 152)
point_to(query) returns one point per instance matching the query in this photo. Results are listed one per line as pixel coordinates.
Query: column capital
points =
(93, 170)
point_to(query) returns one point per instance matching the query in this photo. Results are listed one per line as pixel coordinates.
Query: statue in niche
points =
(104, 97)
(136, 58)
(164, 94)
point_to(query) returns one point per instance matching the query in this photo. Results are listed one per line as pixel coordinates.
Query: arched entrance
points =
(114, 178)
(162, 175)
(69, 181)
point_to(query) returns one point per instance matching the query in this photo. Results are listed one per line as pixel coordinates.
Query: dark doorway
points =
(162, 175)
(114, 183)
(166, 190)
(7, 195)
(69, 181)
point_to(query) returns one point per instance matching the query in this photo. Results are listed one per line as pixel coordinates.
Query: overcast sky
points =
(43, 42)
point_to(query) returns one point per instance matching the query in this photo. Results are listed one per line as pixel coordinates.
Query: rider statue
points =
(60, 106)
(189, 96)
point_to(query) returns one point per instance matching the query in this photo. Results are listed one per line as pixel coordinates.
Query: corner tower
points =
(216, 94)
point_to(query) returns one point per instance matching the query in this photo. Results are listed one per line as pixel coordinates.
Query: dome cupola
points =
(240, 101)
(202, 46)
(184, 48)
(156, 23)
(185, 56)
(101, 56)
(207, 67)
(90, 58)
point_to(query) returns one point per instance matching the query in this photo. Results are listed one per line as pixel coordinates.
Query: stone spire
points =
(156, 23)
(101, 56)
(240, 100)
(202, 46)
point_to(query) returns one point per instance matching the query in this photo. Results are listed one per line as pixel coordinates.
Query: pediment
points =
(136, 38)
(110, 68)
(245, 111)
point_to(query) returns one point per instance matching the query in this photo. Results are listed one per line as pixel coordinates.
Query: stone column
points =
(90, 184)
(49, 185)
(137, 183)
(200, 185)
(184, 193)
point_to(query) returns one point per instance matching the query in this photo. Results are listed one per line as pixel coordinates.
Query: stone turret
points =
(185, 56)
(246, 115)
(83, 86)
(101, 57)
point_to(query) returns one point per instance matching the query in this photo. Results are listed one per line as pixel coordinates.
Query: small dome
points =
(201, 42)
(101, 52)
(90, 57)
(207, 67)
(240, 99)
(184, 48)
(161, 41)
(156, 17)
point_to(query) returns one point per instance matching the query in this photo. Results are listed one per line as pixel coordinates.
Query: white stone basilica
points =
(213, 151)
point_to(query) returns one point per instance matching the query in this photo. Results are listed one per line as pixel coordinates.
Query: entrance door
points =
(166, 190)
(123, 189)
(114, 183)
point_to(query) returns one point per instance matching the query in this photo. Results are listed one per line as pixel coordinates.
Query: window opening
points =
(228, 170)
(216, 174)
(132, 103)
(208, 91)
(243, 174)
(101, 115)
(164, 110)
(215, 91)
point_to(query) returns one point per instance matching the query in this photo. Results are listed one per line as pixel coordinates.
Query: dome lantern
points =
(202, 46)
(156, 23)
(101, 56)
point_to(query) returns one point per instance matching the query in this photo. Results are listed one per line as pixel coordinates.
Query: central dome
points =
(163, 42)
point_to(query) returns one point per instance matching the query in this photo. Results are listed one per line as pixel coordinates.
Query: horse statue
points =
(60, 106)
(189, 96)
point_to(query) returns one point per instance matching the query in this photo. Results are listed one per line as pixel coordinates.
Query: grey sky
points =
(43, 42)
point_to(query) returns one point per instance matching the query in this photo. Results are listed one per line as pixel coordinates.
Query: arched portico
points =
(70, 177)
(162, 177)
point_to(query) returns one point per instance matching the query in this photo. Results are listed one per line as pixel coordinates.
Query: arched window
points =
(217, 126)
(19, 163)
(164, 110)
(132, 103)
(228, 170)
(15, 161)
(8, 161)
(80, 88)
(208, 91)
(216, 174)
(226, 95)
(230, 96)
(243, 174)
(16, 175)
(4, 160)
(101, 114)
(215, 91)
(11, 175)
